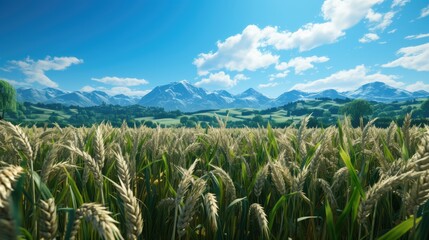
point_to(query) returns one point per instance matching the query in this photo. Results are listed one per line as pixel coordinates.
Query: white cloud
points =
(392, 31)
(240, 76)
(268, 85)
(220, 79)
(373, 16)
(117, 90)
(424, 12)
(309, 36)
(399, 3)
(117, 81)
(419, 85)
(384, 22)
(16, 83)
(35, 70)
(414, 57)
(237, 53)
(248, 50)
(347, 80)
(418, 36)
(369, 37)
(301, 64)
(279, 75)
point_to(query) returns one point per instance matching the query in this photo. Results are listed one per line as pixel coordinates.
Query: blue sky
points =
(273, 46)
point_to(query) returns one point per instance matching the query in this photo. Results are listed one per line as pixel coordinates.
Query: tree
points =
(425, 108)
(356, 109)
(183, 120)
(7, 98)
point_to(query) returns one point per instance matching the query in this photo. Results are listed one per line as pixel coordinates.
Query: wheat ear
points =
(48, 223)
(8, 176)
(260, 180)
(231, 193)
(212, 208)
(123, 170)
(378, 190)
(277, 178)
(21, 139)
(90, 162)
(99, 217)
(187, 213)
(258, 212)
(133, 214)
(99, 147)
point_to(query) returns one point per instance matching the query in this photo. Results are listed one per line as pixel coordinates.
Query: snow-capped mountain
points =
(123, 100)
(330, 93)
(73, 98)
(380, 92)
(290, 96)
(37, 95)
(186, 97)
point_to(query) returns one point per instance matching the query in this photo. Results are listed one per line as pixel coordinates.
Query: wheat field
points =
(214, 183)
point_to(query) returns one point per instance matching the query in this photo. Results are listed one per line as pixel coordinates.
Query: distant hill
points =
(186, 97)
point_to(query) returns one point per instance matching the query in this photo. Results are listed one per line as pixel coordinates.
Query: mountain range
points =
(186, 97)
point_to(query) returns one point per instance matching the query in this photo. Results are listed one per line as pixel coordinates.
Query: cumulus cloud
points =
(418, 36)
(347, 80)
(35, 70)
(373, 16)
(117, 90)
(249, 50)
(424, 12)
(220, 79)
(384, 22)
(414, 57)
(279, 75)
(419, 85)
(118, 81)
(301, 64)
(369, 37)
(268, 85)
(237, 53)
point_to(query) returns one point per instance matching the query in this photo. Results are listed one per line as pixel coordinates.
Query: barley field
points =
(214, 183)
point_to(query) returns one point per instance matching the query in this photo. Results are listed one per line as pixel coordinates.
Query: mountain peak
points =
(380, 92)
(250, 92)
